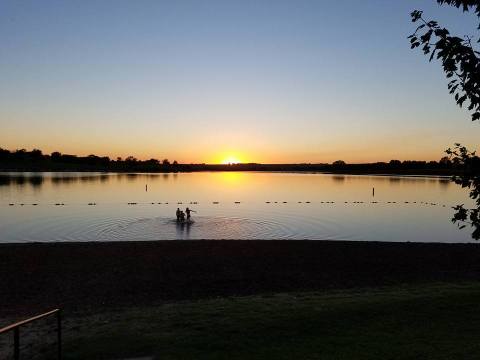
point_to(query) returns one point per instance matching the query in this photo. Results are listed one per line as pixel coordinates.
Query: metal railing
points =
(16, 331)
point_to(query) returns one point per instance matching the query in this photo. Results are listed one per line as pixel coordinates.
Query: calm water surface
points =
(228, 205)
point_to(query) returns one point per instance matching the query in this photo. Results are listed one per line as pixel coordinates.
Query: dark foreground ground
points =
(86, 276)
(435, 321)
(249, 299)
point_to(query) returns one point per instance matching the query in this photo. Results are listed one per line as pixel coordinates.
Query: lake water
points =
(228, 205)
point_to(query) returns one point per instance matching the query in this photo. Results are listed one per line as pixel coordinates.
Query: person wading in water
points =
(188, 211)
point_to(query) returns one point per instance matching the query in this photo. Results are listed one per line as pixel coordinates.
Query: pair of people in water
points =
(181, 214)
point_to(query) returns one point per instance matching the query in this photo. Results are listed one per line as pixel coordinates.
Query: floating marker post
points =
(373, 192)
(146, 187)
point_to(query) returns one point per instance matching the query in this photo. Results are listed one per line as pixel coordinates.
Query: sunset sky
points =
(204, 81)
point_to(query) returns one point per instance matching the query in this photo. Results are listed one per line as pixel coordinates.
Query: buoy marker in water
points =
(266, 202)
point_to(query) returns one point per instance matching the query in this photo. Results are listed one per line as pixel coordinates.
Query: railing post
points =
(16, 343)
(16, 331)
(59, 333)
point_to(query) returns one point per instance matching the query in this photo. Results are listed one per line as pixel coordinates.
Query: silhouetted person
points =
(178, 214)
(182, 216)
(188, 211)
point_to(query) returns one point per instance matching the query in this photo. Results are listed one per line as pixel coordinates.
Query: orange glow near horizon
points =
(211, 154)
(230, 158)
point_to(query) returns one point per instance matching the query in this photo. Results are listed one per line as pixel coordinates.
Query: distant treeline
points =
(36, 160)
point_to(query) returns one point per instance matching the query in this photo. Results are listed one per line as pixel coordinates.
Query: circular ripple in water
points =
(202, 228)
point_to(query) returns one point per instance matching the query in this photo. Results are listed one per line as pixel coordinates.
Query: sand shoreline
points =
(84, 277)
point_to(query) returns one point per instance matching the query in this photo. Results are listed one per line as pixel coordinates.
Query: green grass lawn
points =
(438, 321)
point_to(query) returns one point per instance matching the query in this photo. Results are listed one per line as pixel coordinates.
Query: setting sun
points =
(231, 160)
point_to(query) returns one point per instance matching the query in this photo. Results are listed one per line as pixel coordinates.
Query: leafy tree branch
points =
(461, 64)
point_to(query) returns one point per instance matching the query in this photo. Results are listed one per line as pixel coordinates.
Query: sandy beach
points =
(85, 277)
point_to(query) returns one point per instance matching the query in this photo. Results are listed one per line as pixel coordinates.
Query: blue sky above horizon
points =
(200, 81)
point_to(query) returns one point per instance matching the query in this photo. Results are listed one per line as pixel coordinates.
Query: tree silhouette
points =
(461, 64)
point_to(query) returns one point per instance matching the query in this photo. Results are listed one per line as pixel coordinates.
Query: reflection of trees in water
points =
(338, 178)
(395, 180)
(411, 179)
(89, 178)
(70, 179)
(131, 177)
(36, 181)
(82, 178)
(20, 180)
(156, 176)
(444, 182)
(5, 180)
(57, 180)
